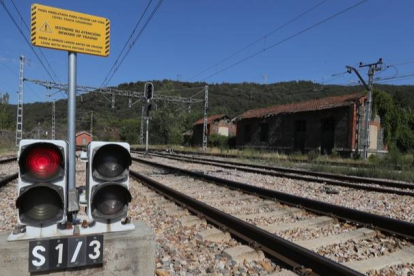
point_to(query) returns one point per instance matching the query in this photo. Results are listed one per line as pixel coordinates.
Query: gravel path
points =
(8, 195)
(390, 205)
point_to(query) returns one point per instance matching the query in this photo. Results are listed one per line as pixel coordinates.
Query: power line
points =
(400, 64)
(259, 39)
(154, 11)
(27, 41)
(385, 79)
(129, 39)
(40, 50)
(287, 39)
(8, 68)
(14, 73)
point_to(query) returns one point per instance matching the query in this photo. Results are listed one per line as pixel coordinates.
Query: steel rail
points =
(285, 251)
(8, 179)
(295, 174)
(223, 155)
(389, 225)
(340, 177)
(12, 159)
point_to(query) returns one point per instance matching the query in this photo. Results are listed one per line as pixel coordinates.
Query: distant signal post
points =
(75, 33)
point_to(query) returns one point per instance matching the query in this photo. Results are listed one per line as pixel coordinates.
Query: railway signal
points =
(107, 183)
(42, 182)
(149, 91)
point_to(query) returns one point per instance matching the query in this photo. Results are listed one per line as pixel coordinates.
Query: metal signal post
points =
(205, 123)
(148, 94)
(73, 204)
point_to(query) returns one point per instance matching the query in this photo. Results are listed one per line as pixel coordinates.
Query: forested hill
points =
(232, 99)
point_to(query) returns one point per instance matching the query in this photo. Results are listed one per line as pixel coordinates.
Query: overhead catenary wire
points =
(127, 42)
(40, 50)
(259, 39)
(111, 75)
(286, 39)
(17, 75)
(25, 39)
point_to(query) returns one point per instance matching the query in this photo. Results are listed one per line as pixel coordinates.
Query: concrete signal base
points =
(125, 253)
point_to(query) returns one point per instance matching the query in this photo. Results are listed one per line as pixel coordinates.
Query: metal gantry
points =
(116, 92)
(112, 92)
(19, 119)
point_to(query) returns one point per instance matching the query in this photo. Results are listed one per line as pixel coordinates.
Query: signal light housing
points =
(107, 183)
(42, 183)
(149, 91)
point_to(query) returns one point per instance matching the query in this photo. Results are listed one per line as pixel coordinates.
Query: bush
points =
(374, 159)
(220, 141)
(335, 153)
(313, 155)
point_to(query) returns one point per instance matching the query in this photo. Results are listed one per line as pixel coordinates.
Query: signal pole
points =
(19, 123)
(205, 118)
(91, 124)
(148, 94)
(141, 135)
(73, 204)
(147, 129)
(373, 67)
(53, 119)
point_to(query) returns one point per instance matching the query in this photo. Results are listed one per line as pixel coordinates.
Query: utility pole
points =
(53, 119)
(205, 118)
(19, 119)
(91, 130)
(38, 130)
(373, 67)
(141, 135)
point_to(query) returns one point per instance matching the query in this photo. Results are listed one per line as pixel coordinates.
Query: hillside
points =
(171, 119)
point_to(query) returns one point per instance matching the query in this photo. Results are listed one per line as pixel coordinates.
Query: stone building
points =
(332, 123)
(219, 124)
(83, 138)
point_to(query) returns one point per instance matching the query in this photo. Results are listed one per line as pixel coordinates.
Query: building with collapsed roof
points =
(218, 124)
(327, 124)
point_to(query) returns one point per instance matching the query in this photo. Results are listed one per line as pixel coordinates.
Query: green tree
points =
(5, 115)
(129, 131)
(398, 122)
(168, 120)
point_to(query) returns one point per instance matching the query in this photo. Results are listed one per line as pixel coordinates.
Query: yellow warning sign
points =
(46, 28)
(69, 31)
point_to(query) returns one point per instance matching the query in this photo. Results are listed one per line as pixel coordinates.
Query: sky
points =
(187, 37)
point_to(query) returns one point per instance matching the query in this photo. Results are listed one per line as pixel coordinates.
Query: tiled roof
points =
(210, 119)
(319, 104)
(81, 132)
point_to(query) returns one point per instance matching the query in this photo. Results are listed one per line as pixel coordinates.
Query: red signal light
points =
(41, 162)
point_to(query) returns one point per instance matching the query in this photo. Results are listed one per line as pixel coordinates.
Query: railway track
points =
(4, 180)
(234, 156)
(368, 184)
(8, 160)
(289, 253)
